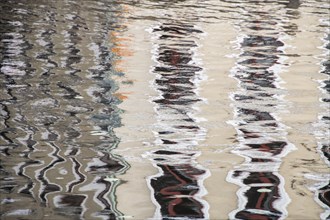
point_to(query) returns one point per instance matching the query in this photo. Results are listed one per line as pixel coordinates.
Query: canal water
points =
(183, 109)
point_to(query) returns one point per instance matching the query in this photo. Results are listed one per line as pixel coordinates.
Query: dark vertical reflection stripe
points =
(177, 188)
(323, 191)
(261, 136)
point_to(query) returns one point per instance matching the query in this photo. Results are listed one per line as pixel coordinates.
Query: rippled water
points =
(152, 109)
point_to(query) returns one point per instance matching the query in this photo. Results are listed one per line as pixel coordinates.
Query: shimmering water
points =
(164, 109)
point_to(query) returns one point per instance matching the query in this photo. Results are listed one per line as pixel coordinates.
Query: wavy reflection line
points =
(81, 178)
(21, 169)
(47, 186)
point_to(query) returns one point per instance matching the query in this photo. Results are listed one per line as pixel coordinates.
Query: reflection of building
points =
(261, 135)
(59, 165)
(177, 188)
(323, 124)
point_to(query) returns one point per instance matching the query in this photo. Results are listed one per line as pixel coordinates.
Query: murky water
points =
(165, 109)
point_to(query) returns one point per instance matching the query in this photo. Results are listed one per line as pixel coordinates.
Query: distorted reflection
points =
(261, 136)
(323, 124)
(177, 188)
(62, 67)
(59, 110)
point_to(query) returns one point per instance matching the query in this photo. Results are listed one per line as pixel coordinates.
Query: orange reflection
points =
(121, 50)
(121, 95)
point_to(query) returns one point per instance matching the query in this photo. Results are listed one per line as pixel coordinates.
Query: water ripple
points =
(48, 114)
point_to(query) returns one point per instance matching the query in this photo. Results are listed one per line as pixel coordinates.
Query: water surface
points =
(164, 109)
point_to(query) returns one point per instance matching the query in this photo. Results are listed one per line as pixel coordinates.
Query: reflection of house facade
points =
(61, 65)
(261, 135)
(65, 111)
(324, 123)
(177, 187)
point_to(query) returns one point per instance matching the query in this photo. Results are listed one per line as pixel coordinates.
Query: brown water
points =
(165, 109)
